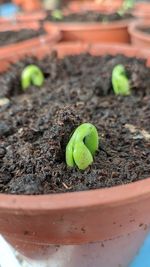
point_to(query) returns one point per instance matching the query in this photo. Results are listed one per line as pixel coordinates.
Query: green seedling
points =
(127, 5)
(31, 75)
(82, 146)
(120, 82)
(57, 14)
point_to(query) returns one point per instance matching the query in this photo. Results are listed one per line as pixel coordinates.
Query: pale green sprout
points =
(127, 5)
(120, 82)
(82, 146)
(57, 14)
(31, 75)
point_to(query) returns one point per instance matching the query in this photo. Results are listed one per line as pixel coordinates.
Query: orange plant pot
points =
(142, 10)
(111, 32)
(23, 17)
(28, 46)
(27, 5)
(114, 32)
(103, 6)
(30, 16)
(36, 225)
(139, 38)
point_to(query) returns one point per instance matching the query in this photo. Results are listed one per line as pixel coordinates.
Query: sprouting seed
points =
(31, 75)
(82, 146)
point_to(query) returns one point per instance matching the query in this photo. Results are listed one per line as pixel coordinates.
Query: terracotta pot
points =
(139, 38)
(114, 32)
(106, 6)
(30, 16)
(75, 228)
(4, 21)
(27, 46)
(142, 10)
(23, 17)
(27, 5)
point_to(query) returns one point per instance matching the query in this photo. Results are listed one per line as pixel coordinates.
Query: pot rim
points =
(90, 25)
(15, 26)
(116, 195)
(134, 31)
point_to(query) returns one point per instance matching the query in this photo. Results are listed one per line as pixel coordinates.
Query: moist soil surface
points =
(90, 16)
(12, 37)
(35, 126)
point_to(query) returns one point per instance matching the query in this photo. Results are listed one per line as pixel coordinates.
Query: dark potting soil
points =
(144, 29)
(11, 37)
(89, 16)
(36, 125)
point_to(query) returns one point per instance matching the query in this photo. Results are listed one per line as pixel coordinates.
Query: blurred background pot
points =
(111, 32)
(140, 33)
(106, 5)
(28, 5)
(27, 46)
(142, 10)
(30, 16)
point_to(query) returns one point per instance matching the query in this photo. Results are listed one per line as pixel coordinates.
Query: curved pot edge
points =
(137, 33)
(75, 200)
(82, 26)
